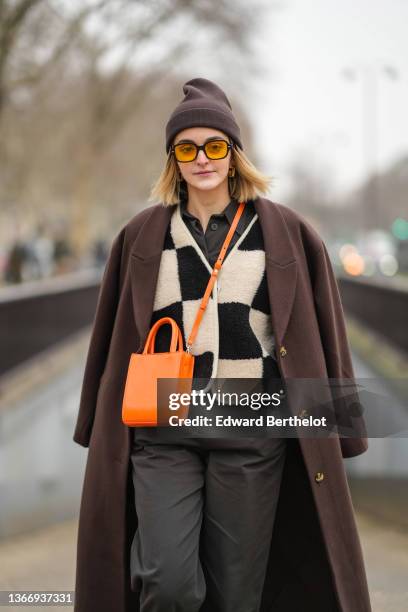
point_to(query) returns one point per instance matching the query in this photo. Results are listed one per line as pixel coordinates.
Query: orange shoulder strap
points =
(213, 276)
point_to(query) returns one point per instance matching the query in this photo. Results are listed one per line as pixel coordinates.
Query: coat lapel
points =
(144, 266)
(280, 263)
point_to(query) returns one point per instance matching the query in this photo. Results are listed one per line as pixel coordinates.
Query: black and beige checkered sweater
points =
(235, 338)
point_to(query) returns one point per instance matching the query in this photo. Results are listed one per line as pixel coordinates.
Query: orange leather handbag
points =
(141, 406)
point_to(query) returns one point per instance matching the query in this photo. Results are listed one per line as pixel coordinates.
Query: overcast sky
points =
(305, 107)
(302, 107)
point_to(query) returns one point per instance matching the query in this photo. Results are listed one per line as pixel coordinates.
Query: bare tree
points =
(12, 18)
(87, 69)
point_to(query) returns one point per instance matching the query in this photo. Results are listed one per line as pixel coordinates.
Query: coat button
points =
(303, 413)
(319, 476)
(283, 351)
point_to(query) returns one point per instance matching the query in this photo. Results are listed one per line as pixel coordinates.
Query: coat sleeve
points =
(104, 318)
(333, 333)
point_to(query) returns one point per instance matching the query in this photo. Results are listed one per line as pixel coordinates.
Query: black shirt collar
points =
(229, 212)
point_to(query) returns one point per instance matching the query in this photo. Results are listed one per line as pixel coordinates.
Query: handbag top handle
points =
(176, 337)
(213, 276)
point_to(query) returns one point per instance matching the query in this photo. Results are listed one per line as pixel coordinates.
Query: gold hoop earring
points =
(231, 181)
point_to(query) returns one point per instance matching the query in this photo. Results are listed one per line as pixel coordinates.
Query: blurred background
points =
(320, 91)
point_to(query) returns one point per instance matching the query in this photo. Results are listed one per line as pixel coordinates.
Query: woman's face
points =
(216, 169)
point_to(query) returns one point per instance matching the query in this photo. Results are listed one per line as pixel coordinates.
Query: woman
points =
(211, 523)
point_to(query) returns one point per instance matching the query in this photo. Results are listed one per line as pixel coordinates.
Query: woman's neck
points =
(203, 204)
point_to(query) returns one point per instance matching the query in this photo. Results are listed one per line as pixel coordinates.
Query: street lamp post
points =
(370, 74)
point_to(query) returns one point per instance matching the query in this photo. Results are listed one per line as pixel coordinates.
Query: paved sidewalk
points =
(385, 550)
(42, 560)
(46, 560)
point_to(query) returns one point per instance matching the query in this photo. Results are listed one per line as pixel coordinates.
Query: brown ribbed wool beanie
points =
(204, 105)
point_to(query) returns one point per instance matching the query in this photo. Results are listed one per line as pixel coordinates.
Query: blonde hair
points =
(247, 184)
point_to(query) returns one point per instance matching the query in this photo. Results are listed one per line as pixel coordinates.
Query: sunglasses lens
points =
(185, 152)
(216, 149)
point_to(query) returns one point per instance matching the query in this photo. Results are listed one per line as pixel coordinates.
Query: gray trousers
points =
(206, 509)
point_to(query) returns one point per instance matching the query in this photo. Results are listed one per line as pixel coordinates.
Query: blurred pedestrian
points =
(15, 261)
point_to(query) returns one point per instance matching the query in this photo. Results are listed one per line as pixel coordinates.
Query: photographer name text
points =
(259, 421)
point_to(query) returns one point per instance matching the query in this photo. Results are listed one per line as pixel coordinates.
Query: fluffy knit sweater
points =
(235, 338)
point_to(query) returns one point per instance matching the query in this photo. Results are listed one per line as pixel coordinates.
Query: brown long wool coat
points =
(315, 562)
